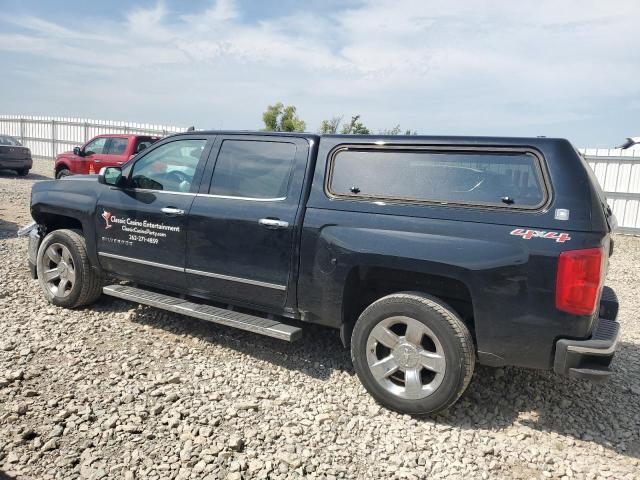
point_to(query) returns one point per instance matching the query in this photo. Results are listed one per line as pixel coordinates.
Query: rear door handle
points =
(172, 211)
(273, 223)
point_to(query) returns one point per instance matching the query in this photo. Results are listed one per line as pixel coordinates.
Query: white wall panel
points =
(618, 172)
(49, 136)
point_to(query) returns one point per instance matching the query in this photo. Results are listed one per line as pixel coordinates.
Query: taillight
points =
(579, 279)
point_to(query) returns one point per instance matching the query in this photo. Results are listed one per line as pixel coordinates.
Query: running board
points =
(242, 321)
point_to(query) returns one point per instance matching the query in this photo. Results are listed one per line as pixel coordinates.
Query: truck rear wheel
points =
(23, 172)
(64, 271)
(412, 353)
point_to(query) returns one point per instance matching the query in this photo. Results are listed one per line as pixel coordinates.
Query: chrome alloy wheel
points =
(58, 269)
(405, 357)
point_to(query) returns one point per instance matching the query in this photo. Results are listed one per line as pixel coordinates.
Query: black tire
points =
(452, 334)
(87, 285)
(23, 172)
(63, 172)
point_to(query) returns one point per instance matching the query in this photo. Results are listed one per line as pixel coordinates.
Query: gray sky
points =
(556, 68)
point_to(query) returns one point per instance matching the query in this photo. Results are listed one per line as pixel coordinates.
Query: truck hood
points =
(65, 155)
(84, 178)
(73, 197)
(71, 184)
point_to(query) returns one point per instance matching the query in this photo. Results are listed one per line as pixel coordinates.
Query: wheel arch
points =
(50, 221)
(61, 165)
(56, 221)
(366, 284)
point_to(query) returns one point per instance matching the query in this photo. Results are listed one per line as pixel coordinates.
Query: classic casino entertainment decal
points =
(107, 218)
(559, 237)
(142, 231)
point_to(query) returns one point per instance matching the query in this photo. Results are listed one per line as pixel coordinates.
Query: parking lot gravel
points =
(122, 391)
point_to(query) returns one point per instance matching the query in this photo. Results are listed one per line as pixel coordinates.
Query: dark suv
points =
(14, 156)
(427, 253)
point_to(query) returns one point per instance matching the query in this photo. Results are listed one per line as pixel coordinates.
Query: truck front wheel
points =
(412, 353)
(64, 172)
(64, 271)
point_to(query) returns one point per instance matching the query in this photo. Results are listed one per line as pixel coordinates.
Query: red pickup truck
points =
(111, 150)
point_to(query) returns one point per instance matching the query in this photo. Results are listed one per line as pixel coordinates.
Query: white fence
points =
(618, 172)
(49, 136)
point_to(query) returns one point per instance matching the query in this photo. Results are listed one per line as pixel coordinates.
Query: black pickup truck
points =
(427, 253)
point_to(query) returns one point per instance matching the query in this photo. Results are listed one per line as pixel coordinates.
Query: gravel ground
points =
(119, 391)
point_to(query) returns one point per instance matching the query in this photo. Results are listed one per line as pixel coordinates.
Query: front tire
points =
(412, 353)
(23, 172)
(64, 271)
(64, 172)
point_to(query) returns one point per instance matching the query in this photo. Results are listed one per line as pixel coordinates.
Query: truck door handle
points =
(273, 223)
(172, 211)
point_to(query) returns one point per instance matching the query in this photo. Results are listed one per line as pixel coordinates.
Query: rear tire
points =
(23, 172)
(64, 271)
(412, 353)
(64, 172)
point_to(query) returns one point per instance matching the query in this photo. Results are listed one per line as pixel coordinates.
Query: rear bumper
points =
(11, 163)
(591, 358)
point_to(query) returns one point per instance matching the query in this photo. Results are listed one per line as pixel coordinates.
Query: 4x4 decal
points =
(559, 237)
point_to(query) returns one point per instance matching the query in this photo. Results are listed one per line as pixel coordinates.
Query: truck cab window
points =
(253, 169)
(482, 178)
(117, 146)
(170, 167)
(142, 144)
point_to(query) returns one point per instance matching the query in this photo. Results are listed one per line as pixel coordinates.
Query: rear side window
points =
(506, 179)
(117, 146)
(142, 143)
(253, 169)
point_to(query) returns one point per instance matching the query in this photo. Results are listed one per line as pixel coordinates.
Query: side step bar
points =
(242, 321)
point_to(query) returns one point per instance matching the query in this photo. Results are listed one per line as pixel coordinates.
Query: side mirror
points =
(111, 176)
(77, 151)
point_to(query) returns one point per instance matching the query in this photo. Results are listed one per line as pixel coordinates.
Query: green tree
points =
(270, 117)
(278, 118)
(330, 126)
(355, 127)
(397, 131)
(391, 131)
